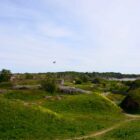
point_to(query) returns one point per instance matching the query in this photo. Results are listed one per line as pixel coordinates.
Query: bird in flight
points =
(54, 62)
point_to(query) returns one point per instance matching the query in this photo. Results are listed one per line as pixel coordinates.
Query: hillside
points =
(69, 117)
(126, 131)
(56, 106)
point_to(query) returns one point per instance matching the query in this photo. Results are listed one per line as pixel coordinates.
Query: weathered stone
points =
(72, 90)
(129, 104)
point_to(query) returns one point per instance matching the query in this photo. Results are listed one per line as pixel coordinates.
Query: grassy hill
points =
(128, 131)
(38, 118)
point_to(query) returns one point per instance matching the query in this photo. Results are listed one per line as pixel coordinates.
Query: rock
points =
(129, 104)
(72, 90)
(3, 91)
(58, 97)
(48, 97)
(26, 87)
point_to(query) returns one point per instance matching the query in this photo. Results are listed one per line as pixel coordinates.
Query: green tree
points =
(5, 75)
(84, 78)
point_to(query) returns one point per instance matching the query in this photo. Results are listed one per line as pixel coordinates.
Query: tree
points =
(5, 75)
(84, 78)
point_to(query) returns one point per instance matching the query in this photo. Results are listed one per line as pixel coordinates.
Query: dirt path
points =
(131, 118)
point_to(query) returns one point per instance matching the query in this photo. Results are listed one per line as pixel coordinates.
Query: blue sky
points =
(80, 35)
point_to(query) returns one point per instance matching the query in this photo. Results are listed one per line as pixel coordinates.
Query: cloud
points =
(54, 31)
(81, 35)
(114, 26)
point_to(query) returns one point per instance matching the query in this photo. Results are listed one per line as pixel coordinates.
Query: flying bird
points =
(54, 62)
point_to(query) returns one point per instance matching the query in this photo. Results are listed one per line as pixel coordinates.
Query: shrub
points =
(135, 85)
(49, 85)
(5, 75)
(28, 76)
(96, 81)
(131, 103)
(78, 81)
(84, 78)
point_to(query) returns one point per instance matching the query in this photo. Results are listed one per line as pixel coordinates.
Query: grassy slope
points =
(117, 98)
(69, 117)
(23, 122)
(128, 131)
(26, 95)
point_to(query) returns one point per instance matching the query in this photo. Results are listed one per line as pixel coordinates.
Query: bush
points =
(96, 81)
(77, 81)
(49, 85)
(28, 76)
(5, 75)
(84, 78)
(135, 85)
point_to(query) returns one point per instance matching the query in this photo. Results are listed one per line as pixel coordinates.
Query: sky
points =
(80, 35)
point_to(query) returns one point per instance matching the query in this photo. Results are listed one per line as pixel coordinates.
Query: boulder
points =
(129, 104)
(72, 90)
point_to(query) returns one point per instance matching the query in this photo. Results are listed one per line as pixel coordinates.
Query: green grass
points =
(102, 86)
(26, 95)
(93, 103)
(85, 86)
(25, 122)
(90, 112)
(69, 117)
(5, 85)
(117, 98)
(27, 82)
(128, 131)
